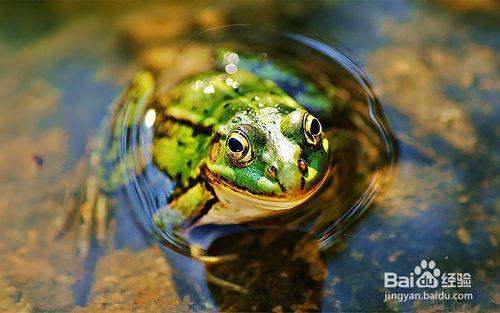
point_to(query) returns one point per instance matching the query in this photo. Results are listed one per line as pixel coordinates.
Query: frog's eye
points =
(238, 147)
(312, 129)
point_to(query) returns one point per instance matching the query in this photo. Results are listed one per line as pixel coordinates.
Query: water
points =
(434, 68)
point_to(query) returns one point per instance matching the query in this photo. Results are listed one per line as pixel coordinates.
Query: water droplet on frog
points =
(210, 89)
(231, 68)
(197, 85)
(232, 58)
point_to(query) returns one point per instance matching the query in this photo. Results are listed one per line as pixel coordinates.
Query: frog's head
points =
(269, 157)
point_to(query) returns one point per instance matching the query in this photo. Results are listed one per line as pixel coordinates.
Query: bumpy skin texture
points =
(191, 141)
(281, 163)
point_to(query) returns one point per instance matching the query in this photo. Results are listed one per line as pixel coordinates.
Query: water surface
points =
(434, 67)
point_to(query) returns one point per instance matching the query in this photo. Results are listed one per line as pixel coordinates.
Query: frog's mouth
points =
(243, 199)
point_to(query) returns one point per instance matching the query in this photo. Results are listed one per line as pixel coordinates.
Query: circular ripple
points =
(363, 147)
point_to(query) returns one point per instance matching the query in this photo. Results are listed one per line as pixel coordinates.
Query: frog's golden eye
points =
(312, 129)
(238, 147)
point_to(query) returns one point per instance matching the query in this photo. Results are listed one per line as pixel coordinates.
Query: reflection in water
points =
(280, 270)
(277, 270)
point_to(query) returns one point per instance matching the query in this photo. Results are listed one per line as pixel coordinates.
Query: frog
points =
(256, 152)
(237, 147)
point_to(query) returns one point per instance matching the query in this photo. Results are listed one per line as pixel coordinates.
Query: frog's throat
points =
(241, 199)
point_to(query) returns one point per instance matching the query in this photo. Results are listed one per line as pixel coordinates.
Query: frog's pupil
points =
(315, 127)
(235, 145)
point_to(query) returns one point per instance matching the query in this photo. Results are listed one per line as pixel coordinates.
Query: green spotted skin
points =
(196, 117)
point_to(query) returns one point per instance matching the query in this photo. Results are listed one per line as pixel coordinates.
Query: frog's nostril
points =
(302, 166)
(271, 171)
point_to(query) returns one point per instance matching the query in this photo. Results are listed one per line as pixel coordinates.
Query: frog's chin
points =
(241, 200)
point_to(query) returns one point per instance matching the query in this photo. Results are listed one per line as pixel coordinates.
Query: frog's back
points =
(205, 100)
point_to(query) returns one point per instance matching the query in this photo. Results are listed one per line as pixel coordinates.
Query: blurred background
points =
(434, 65)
